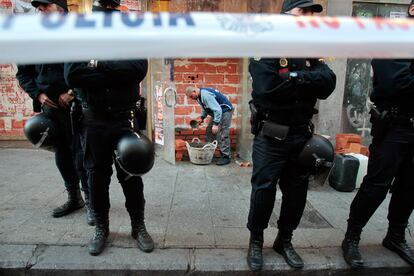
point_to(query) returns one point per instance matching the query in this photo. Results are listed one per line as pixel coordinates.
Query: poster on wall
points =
(159, 116)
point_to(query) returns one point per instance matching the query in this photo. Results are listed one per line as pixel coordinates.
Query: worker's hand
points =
(200, 120)
(65, 99)
(44, 100)
(215, 129)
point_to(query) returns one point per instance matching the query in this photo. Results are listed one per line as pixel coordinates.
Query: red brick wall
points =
(223, 74)
(5, 6)
(15, 105)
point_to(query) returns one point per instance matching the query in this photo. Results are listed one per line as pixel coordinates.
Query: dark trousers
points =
(69, 152)
(275, 161)
(79, 157)
(390, 166)
(100, 138)
(223, 136)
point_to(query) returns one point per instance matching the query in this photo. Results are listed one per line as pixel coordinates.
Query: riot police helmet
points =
(42, 131)
(135, 154)
(317, 155)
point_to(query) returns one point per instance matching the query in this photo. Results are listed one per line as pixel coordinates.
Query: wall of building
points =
(15, 106)
(336, 114)
(223, 74)
(328, 120)
(228, 75)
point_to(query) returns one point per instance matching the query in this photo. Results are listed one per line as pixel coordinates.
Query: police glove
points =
(294, 77)
(93, 63)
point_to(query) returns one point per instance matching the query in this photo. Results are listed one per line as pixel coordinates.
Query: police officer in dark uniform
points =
(284, 94)
(110, 91)
(391, 160)
(45, 84)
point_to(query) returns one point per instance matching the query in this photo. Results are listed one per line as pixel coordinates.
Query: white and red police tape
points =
(72, 37)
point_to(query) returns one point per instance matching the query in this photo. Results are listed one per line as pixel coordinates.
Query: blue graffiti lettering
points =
(8, 22)
(157, 19)
(82, 22)
(175, 16)
(108, 20)
(48, 23)
(125, 17)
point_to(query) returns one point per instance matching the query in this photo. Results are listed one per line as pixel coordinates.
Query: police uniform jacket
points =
(393, 85)
(42, 78)
(112, 86)
(290, 100)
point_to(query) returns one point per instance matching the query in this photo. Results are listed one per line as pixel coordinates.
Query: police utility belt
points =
(264, 123)
(392, 116)
(384, 119)
(91, 113)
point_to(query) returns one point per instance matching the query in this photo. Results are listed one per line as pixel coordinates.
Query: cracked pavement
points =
(196, 215)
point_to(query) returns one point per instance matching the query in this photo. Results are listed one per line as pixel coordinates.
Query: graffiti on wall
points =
(158, 116)
(358, 85)
(356, 102)
(15, 105)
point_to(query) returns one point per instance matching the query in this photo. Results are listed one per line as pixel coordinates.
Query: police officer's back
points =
(285, 91)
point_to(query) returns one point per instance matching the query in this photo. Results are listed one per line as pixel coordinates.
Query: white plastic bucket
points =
(201, 154)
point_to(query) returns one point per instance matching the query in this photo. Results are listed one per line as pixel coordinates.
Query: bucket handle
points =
(195, 139)
(212, 145)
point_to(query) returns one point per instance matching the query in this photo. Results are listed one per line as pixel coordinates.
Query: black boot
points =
(74, 203)
(97, 243)
(395, 241)
(283, 246)
(350, 248)
(224, 160)
(139, 232)
(90, 215)
(254, 254)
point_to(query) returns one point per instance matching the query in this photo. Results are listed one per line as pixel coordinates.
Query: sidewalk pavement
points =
(196, 215)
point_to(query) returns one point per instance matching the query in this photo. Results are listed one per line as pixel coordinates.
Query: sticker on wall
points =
(159, 115)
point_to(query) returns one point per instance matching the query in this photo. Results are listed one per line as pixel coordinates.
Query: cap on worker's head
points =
(291, 4)
(189, 90)
(61, 3)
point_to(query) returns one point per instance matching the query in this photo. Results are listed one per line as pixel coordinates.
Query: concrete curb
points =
(75, 260)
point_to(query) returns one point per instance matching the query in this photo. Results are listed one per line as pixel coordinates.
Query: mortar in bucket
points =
(201, 153)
